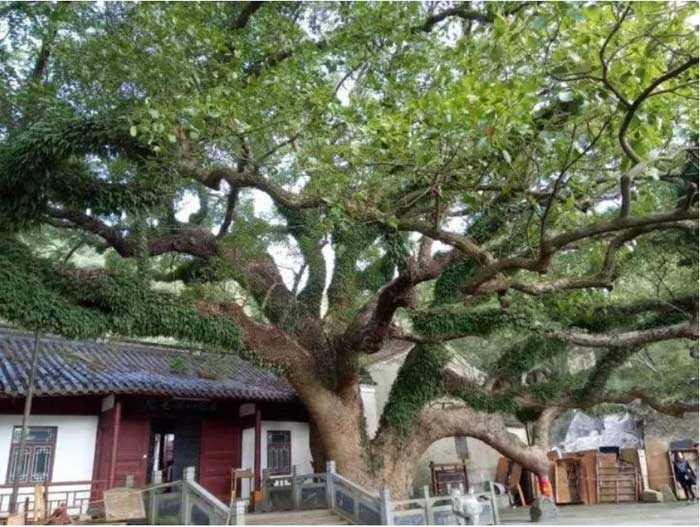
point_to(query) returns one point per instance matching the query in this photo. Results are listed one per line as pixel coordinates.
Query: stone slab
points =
(652, 496)
(543, 510)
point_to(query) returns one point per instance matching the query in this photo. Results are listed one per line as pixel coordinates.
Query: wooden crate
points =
(589, 475)
(617, 481)
(567, 481)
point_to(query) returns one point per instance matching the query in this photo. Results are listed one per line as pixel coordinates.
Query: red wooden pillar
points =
(258, 445)
(117, 417)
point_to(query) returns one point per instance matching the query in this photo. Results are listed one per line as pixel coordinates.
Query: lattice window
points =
(35, 463)
(279, 452)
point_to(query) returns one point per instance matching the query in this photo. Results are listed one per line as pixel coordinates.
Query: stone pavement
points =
(675, 513)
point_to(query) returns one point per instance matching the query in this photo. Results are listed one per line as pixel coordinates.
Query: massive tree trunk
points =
(390, 459)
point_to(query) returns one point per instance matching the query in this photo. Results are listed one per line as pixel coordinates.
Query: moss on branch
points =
(36, 294)
(419, 381)
(442, 322)
(48, 162)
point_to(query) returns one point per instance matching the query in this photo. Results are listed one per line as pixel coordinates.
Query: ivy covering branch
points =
(36, 294)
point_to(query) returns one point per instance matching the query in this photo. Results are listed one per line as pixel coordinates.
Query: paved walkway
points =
(676, 513)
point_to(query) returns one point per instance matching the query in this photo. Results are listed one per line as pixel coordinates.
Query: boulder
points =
(543, 510)
(652, 496)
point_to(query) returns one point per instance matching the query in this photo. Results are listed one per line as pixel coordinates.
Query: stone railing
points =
(332, 491)
(186, 502)
(327, 490)
(440, 510)
(294, 492)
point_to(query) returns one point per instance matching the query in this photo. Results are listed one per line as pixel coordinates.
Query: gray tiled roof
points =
(70, 367)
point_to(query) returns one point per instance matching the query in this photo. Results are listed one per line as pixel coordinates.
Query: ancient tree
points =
(304, 183)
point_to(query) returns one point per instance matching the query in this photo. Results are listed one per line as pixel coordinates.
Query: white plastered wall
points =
(73, 457)
(301, 453)
(368, 393)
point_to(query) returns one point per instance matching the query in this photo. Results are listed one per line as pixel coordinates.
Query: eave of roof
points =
(71, 367)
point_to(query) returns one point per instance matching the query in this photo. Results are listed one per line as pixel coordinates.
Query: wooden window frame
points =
(269, 460)
(32, 446)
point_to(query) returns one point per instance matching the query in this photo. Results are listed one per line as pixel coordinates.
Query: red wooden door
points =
(103, 452)
(220, 452)
(132, 449)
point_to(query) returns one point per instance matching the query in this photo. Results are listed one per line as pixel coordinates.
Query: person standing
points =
(685, 476)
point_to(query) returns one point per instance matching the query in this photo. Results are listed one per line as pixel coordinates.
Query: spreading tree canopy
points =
(322, 179)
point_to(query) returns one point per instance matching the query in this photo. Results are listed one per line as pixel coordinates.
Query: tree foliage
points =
(516, 177)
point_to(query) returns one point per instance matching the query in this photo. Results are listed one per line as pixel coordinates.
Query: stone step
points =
(310, 517)
(318, 520)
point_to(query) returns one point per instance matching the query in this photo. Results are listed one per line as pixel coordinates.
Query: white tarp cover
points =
(588, 433)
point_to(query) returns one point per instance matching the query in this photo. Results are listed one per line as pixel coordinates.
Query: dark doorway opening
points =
(174, 445)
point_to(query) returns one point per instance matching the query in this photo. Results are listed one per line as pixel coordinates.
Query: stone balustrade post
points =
(428, 506)
(296, 488)
(188, 475)
(386, 507)
(237, 514)
(330, 490)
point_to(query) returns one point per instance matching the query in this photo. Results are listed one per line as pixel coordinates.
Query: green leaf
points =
(565, 96)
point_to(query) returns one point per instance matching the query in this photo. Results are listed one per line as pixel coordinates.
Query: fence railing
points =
(75, 495)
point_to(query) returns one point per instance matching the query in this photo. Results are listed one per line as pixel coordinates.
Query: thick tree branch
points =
(464, 243)
(604, 278)
(465, 12)
(267, 342)
(590, 231)
(248, 10)
(685, 330)
(625, 195)
(197, 242)
(604, 368)
(372, 325)
(74, 219)
(540, 264)
(674, 408)
(212, 177)
(231, 201)
(437, 423)
(258, 275)
(685, 304)
(460, 11)
(543, 425)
